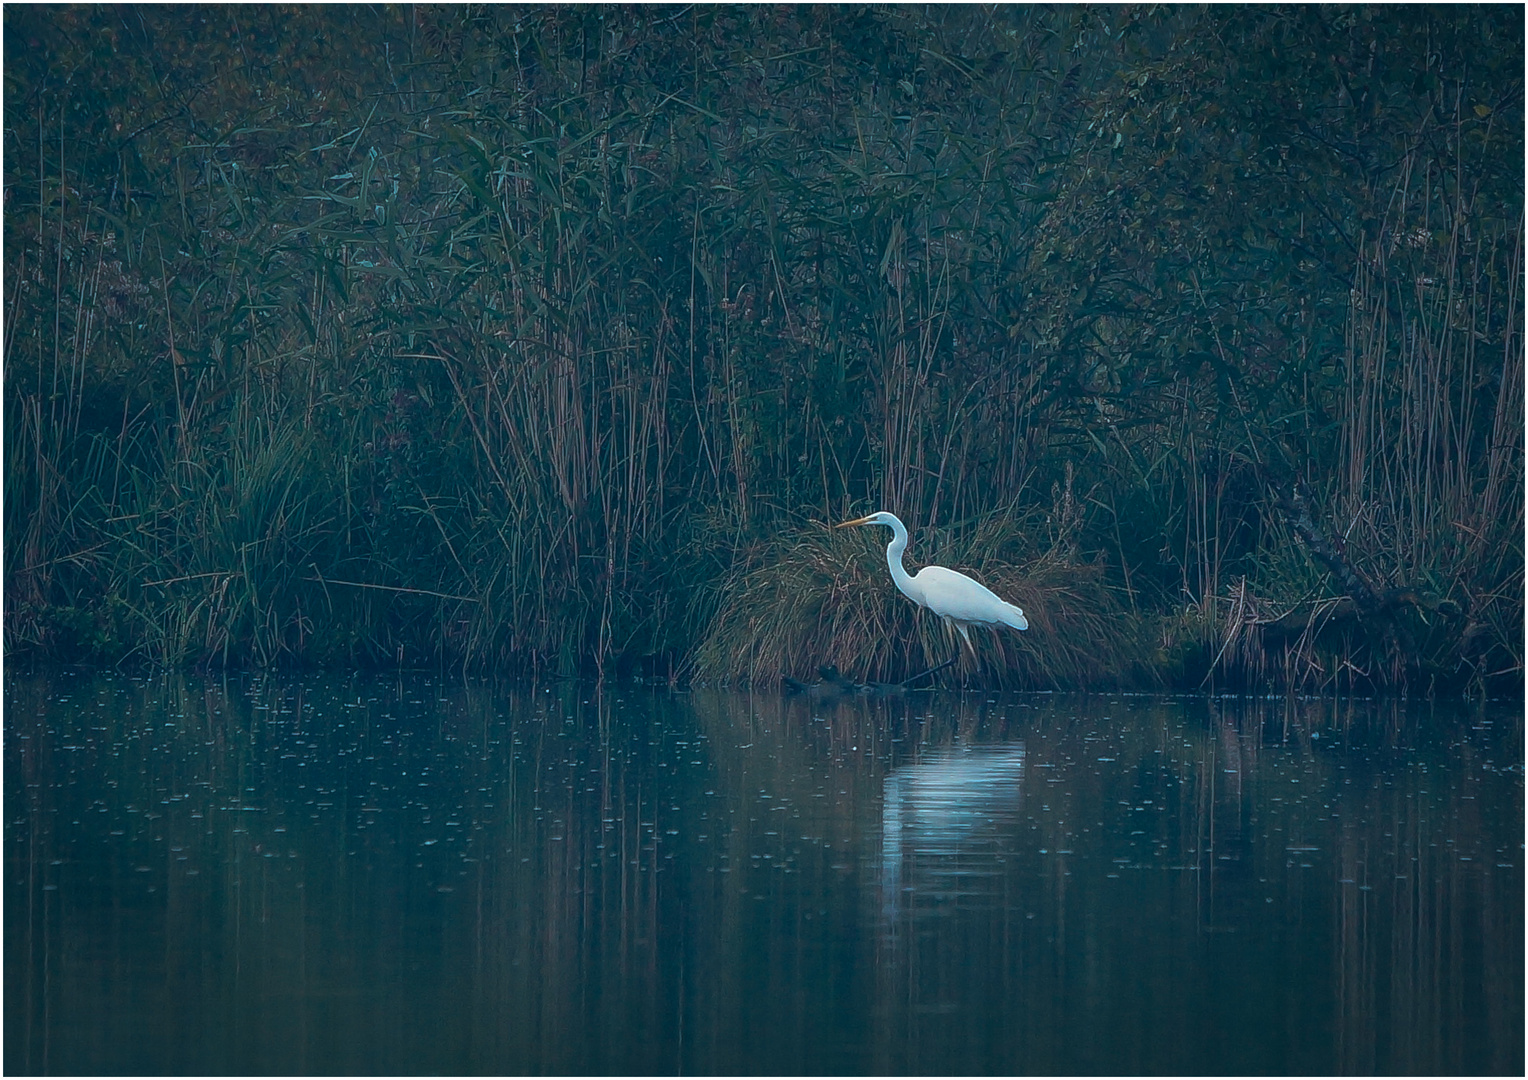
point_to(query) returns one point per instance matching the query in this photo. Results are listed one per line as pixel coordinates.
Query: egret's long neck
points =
(894, 552)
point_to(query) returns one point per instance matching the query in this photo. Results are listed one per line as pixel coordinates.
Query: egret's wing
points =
(955, 596)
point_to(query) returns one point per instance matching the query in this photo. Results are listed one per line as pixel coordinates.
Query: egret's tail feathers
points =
(1014, 617)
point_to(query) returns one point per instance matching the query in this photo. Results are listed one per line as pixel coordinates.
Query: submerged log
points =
(831, 684)
(1335, 610)
(834, 686)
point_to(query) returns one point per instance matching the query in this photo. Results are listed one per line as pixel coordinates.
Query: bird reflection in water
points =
(948, 825)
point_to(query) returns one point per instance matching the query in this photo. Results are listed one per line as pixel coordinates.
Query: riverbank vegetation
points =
(554, 339)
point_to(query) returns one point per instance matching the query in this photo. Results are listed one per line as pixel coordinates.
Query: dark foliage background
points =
(552, 338)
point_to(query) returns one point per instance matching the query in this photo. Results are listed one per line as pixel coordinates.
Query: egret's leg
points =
(949, 624)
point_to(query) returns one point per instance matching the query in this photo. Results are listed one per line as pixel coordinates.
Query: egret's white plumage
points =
(960, 601)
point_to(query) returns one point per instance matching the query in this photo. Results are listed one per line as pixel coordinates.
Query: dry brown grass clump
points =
(825, 597)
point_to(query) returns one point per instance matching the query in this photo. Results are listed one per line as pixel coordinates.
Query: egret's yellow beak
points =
(856, 521)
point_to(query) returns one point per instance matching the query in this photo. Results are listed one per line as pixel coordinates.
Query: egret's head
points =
(880, 517)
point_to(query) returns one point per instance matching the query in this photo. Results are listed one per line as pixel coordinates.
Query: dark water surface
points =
(417, 875)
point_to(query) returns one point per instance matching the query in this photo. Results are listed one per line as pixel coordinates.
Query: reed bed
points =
(547, 340)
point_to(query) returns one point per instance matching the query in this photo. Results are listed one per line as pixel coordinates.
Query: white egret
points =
(960, 601)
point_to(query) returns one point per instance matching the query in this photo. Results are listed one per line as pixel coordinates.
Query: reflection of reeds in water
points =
(1417, 913)
(1241, 848)
(422, 876)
